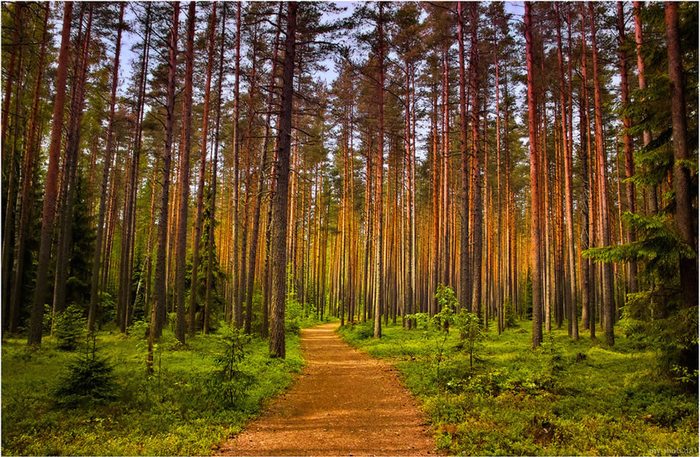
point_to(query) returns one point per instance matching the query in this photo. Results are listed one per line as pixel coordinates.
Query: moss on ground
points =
(174, 411)
(566, 398)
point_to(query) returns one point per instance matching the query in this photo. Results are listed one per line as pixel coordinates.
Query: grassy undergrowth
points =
(566, 398)
(173, 412)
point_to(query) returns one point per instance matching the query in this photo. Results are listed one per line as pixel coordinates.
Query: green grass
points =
(566, 398)
(168, 413)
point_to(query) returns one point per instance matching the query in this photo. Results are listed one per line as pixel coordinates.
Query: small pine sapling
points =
(90, 380)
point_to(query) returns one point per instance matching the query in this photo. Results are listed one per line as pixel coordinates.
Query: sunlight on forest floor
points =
(171, 412)
(567, 398)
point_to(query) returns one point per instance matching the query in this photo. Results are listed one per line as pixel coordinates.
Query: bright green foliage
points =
(90, 380)
(69, 328)
(653, 317)
(170, 413)
(437, 327)
(566, 398)
(230, 383)
(297, 315)
(470, 332)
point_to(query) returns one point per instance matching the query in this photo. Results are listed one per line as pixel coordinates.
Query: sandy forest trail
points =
(344, 403)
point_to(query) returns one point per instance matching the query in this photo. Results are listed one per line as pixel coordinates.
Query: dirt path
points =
(344, 403)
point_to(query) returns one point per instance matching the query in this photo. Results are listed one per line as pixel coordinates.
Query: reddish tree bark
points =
(535, 238)
(681, 155)
(50, 193)
(601, 161)
(280, 200)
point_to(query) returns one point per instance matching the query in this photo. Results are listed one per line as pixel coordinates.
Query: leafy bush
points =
(293, 316)
(470, 331)
(90, 380)
(69, 328)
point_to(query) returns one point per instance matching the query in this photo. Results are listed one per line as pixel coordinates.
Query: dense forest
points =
(204, 166)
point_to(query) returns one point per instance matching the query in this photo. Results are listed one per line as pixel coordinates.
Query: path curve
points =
(344, 403)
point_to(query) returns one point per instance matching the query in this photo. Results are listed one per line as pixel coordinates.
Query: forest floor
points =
(566, 398)
(344, 403)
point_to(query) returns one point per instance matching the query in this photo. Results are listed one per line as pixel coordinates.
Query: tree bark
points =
(475, 223)
(627, 138)
(237, 304)
(464, 295)
(194, 280)
(608, 304)
(681, 172)
(210, 240)
(568, 190)
(97, 255)
(535, 243)
(652, 204)
(50, 193)
(280, 200)
(379, 190)
(30, 158)
(181, 259)
(159, 309)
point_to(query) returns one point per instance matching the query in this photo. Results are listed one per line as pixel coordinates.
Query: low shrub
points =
(90, 381)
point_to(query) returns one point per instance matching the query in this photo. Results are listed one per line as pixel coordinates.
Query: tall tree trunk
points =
(194, 280)
(568, 189)
(535, 243)
(379, 190)
(257, 208)
(652, 204)
(681, 155)
(608, 304)
(629, 151)
(181, 259)
(237, 304)
(587, 268)
(50, 193)
(65, 241)
(212, 222)
(464, 296)
(476, 204)
(97, 255)
(30, 158)
(19, 8)
(159, 309)
(11, 159)
(279, 229)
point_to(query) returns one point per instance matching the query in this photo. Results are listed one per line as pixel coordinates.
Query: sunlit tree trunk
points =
(180, 265)
(607, 283)
(464, 296)
(279, 229)
(627, 137)
(237, 305)
(535, 243)
(49, 208)
(379, 190)
(568, 188)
